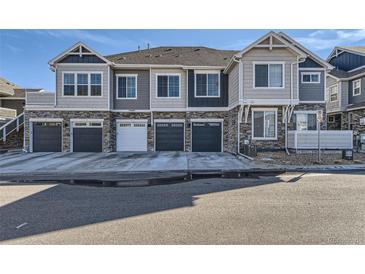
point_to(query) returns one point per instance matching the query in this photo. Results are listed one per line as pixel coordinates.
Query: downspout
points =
(239, 110)
(299, 60)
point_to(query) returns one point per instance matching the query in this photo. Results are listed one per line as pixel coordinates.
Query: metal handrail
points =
(6, 129)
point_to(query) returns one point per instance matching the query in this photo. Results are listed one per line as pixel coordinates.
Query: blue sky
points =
(24, 53)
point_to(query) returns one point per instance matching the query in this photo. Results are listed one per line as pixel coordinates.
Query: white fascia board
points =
(269, 102)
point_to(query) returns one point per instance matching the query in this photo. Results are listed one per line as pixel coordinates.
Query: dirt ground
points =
(308, 158)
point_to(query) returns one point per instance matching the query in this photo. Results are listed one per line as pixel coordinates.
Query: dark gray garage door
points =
(87, 139)
(207, 137)
(169, 136)
(47, 137)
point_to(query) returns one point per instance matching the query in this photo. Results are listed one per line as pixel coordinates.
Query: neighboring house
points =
(179, 98)
(346, 89)
(12, 102)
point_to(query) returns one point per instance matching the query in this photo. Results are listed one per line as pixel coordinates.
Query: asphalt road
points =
(286, 209)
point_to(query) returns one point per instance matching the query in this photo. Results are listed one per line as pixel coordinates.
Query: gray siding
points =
(309, 63)
(143, 91)
(348, 61)
(332, 106)
(90, 59)
(279, 55)
(233, 86)
(168, 102)
(221, 101)
(359, 98)
(309, 91)
(344, 94)
(85, 101)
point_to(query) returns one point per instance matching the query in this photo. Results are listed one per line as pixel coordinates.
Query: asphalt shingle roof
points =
(359, 49)
(186, 56)
(344, 74)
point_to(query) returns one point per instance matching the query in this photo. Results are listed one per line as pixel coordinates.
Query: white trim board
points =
(117, 86)
(167, 74)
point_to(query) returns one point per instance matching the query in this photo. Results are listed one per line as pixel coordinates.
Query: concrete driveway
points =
(29, 163)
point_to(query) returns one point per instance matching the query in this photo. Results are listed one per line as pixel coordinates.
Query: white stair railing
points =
(10, 126)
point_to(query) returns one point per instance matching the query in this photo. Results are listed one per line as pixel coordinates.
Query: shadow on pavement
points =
(64, 206)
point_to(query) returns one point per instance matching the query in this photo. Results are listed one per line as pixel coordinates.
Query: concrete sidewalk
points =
(119, 165)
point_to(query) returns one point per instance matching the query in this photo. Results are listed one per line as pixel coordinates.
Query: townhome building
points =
(195, 99)
(346, 89)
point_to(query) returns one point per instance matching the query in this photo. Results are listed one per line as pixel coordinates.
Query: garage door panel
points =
(169, 137)
(207, 137)
(87, 139)
(47, 137)
(132, 136)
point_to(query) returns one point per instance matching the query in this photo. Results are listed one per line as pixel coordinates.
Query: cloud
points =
(237, 45)
(82, 35)
(328, 39)
(14, 49)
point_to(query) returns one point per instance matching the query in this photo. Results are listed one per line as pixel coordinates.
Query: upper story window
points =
(82, 84)
(264, 124)
(311, 77)
(207, 85)
(168, 86)
(269, 75)
(127, 86)
(333, 93)
(356, 87)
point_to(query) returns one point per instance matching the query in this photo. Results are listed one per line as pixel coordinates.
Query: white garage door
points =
(131, 136)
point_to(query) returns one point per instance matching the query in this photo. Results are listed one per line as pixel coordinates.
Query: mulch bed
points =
(308, 158)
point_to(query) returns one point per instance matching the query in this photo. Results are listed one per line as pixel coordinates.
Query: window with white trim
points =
(207, 85)
(311, 77)
(356, 87)
(305, 121)
(168, 86)
(269, 75)
(127, 86)
(264, 124)
(333, 92)
(82, 84)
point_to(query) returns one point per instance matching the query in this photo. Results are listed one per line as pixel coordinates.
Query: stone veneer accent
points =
(66, 116)
(110, 125)
(14, 140)
(355, 121)
(313, 107)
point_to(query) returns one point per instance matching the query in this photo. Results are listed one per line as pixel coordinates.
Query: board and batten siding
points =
(275, 55)
(311, 91)
(90, 102)
(233, 86)
(168, 102)
(143, 91)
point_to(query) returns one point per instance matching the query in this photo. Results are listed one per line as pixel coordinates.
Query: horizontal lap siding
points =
(233, 87)
(309, 91)
(279, 55)
(82, 102)
(358, 98)
(143, 91)
(168, 102)
(332, 106)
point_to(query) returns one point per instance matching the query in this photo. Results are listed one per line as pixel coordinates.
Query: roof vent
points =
(177, 55)
(159, 55)
(122, 58)
(169, 49)
(225, 58)
(197, 49)
(149, 55)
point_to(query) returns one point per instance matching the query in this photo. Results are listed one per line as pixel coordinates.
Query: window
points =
(82, 84)
(356, 87)
(69, 84)
(333, 92)
(264, 124)
(207, 85)
(126, 86)
(269, 76)
(331, 119)
(305, 121)
(95, 84)
(168, 86)
(311, 77)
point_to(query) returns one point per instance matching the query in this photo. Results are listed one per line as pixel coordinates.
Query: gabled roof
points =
(7, 87)
(78, 48)
(307, 51)
(184, 56)
(270, 36)
(345, 75)
(359, 50)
